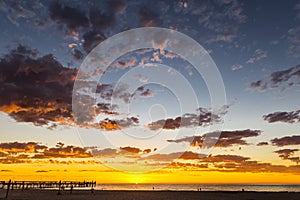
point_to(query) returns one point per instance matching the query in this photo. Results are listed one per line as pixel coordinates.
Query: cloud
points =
(91, 39)
(260, 85)
(220, 163)
(100, 20)
(284, 78)
(236, 67)
(106, 108)
(220, 19)
(17, 147)
(287, 140)
(147, 93)
(287, 117)
(39, 90)
(149, 18)
(108, 152)
(286, 154)
(258, 55)
(128, 151)
(77, 54)
(131, 149)
(130, 63)
(41, 171)
(297, 7)
(111, 125)
(29, 152)
(262, 144)
(61, 151)
(225, 139)
(15, 10)
(36, 89)
(188, 166)
(70, 18)
(294, 42)
(109, 92)
(203, 117)
(143, 92)
(189, 155)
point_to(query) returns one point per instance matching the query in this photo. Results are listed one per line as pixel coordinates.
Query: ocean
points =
(203, 187)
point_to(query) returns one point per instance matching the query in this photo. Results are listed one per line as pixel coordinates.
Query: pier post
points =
(59, 186)
(8, 186)
(23, 185)
(71, 188)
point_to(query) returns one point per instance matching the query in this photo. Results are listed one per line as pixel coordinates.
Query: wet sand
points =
(33, 194)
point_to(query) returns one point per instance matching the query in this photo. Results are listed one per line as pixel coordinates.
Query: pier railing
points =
(60, 185)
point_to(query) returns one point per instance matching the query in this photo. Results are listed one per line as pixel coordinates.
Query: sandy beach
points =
(143, 195)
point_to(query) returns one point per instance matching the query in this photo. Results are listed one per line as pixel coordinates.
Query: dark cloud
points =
(117, 124)
(146, 151)
(147, 93)
(87, 111)
(37, 90)
(285, 141)
(109, 92)
(117, 6)
(144, 92)
(262, 144)
(260, 85)
(287, 154)
(17, 147)
(287, 117)
(106, 108)
(77, 54)
(127, 151)
(100, 21)
(187, 166)
(71, 18)
(108, 152)
(91, 39)
(3, 154)
(61, 151)
(27, 152)
(103, 20)
(189, 155)
(203, 117)
(123, 64)
(131, 149)
(221, 163)
(222, 139)
(279, 79)
(149, 18)
(41, 171)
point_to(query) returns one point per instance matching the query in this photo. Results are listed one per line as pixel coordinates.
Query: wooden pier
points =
(60, 185)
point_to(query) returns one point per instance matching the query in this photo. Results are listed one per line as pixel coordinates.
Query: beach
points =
(33, 194)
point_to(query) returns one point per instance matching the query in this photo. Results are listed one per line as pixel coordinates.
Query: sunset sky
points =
(150, 117)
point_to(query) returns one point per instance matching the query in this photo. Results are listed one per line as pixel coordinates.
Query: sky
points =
(150, 91)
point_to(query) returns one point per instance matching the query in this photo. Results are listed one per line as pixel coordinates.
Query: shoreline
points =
(40, 194)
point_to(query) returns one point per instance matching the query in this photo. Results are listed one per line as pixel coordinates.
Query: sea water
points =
(202, 187)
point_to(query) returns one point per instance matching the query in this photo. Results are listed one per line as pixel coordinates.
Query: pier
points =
(60, 185)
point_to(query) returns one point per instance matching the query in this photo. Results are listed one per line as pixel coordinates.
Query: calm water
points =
(204, 187)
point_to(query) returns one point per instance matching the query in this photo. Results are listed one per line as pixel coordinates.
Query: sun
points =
(136, 179)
